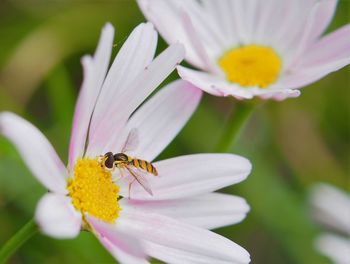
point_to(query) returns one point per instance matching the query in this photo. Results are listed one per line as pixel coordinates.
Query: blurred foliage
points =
(292, 144)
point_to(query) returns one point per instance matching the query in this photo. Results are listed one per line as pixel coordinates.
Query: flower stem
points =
(26, 232)
(235, 124)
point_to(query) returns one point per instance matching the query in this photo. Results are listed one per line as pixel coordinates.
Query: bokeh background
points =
(292, 144)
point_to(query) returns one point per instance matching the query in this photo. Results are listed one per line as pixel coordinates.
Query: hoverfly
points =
(137, 168)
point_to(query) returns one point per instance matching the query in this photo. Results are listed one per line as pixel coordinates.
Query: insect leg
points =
(130, 187)
(115, 179)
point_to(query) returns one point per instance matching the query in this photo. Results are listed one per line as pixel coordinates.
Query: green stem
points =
(235, 124)
(26, 232)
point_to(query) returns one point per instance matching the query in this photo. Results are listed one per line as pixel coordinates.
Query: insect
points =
(137, 168)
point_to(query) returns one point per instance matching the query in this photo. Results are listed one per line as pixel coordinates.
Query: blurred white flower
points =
(172, 225)
(247, 48)
(331, 208)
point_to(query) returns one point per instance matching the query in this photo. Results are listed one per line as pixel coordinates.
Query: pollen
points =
(251, 65)
(92, 190)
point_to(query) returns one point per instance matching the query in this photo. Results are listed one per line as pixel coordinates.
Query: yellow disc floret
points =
(92, 190)
(251, 65)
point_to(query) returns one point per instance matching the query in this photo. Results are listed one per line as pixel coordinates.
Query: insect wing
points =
(132, 141)
(139, 174)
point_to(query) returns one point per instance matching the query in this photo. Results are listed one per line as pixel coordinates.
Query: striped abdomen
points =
(144, 165)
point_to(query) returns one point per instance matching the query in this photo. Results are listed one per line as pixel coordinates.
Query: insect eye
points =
(109, 161)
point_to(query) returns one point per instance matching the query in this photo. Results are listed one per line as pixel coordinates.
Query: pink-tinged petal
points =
(325, 12)
(274, 93)
(180, 236)
(333, 47)
(319, 18)
(215, 85)
(303, 76)
(135, 55)
(186, 176)
(36, 151)
(291, 15)
(168, 16)
(223, 13)
(57, 217)
(123, 247)
(176, 256)
(206, 63)
(209, 211)
(335, 247)
(95, 70)
(161, 118)
(331, 207)
(132, 96)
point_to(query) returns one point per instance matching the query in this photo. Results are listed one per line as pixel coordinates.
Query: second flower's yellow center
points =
(92, 190)
(251, 65)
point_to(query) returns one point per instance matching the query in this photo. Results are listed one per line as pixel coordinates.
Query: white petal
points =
(135, 55)
(337, 248)
(224, 15)
(94, 73)
(332, 47)
(331, 207)
(324, 15)
(36, 151)
(123, 247)
(57, 217)
(180, 236)
(286, 26)
(275, 92)
(303, 76)
(168, 16)
(161, 118)
(327, 55)
(190, 175)
(215, 85)
(319, 18)
(209, 211)
(132, 96)
(175, 256)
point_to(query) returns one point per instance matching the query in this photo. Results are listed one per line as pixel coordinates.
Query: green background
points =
(292, 144)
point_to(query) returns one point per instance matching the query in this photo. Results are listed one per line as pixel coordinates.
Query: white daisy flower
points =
(168, 216)
(248, 48)
(331, 208)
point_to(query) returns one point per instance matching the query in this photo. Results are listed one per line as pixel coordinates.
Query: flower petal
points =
(180, 236)
(215, 85)
(329, 54)
(319, 18)
(131, 97)
(94, 73)
(286, 26)
(209, 211)
(161, 118)
(331, 207)
(332, 47)
(124, 248)
(223, 13)
(324, 15)
(57, 217)
(36, 151)
(176, 256)
(168, 16)
(335, 247)
(135, 55)
(191, 175)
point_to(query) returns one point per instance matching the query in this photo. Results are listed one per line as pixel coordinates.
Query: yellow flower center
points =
(92, 190)
(251, 65)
